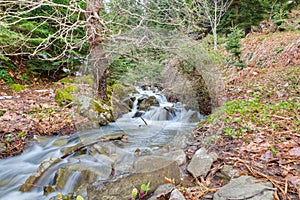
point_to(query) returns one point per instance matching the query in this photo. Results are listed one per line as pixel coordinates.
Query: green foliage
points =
(244, 13)
(233, 44)
(143, 65)
(145, 188)
(134, 193)
(79, 197)
(281, 10)
(121, 65)
(4, 75)
(17, 87)
(26, 34)
(142, 193)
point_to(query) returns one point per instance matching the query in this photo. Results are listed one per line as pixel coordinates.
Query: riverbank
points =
(32, 112)
(257, 129)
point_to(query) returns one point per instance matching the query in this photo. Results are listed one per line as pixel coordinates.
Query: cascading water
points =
(162, 124)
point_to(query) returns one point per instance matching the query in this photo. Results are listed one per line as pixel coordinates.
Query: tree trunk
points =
(97, 58)
(214, 29)
(215, 24)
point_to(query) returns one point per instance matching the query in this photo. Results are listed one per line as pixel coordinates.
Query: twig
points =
(257, 173)
(144, 121)
(120, 137)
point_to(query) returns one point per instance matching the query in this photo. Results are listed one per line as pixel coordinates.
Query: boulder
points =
(151, 169)
(163, 191)
(176, 195)
(245, 187)
(145, 102)
(178, 156)
(95, 110)
(87, 170)
(201, 162)
(120, 102)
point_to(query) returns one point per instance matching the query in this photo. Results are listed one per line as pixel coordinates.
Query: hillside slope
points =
(258, 130)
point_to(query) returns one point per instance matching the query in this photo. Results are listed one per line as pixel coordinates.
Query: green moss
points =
(62, 97)
(66, 80)
(17, 87)
(85, 80)
(71, 89)
(100, 107)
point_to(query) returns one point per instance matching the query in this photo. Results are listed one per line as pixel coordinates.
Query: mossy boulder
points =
(88, 79)
(67, 80)
(62, 97)
(17, 87)
(71, 89)
(120, 102)
(97, 111)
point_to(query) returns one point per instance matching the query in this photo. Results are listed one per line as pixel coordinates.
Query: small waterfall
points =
(71, 182)
(164, 110)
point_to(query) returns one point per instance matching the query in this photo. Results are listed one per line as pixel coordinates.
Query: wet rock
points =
(138, 114)
(245, 187)
(48, 189)
(123, 160)
(34, 178)
(201, 162)
(128, 102)
(120, 102)
(148, 168)
(86, 170)
(144, 102)
(176, 195)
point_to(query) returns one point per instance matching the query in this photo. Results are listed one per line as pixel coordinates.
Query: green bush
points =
(233, 44)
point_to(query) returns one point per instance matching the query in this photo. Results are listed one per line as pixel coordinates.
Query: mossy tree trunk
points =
(97, 58)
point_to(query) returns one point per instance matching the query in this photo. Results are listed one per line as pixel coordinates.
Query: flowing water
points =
(166, 125)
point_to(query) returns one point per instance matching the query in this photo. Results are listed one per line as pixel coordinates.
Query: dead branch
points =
(120, 138)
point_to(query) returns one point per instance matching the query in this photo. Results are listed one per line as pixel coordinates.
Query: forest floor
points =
(257, 131)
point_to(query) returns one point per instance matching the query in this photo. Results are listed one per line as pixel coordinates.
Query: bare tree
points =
(213, 10)
(102, 23)
(67, 20)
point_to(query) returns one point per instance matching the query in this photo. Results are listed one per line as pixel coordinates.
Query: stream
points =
(167, 125)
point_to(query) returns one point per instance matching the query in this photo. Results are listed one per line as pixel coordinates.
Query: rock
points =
(34, 178)
(201, 162)
(148, 168)
(227, 172)
(48, 189)
(120, 102)
(176, 195)
(144, 102)
(245, 187)
(178, 156)
(95, 110)
(129, 102)
(163, 191)
(85, 171)
(62, 97)
(71, 89)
